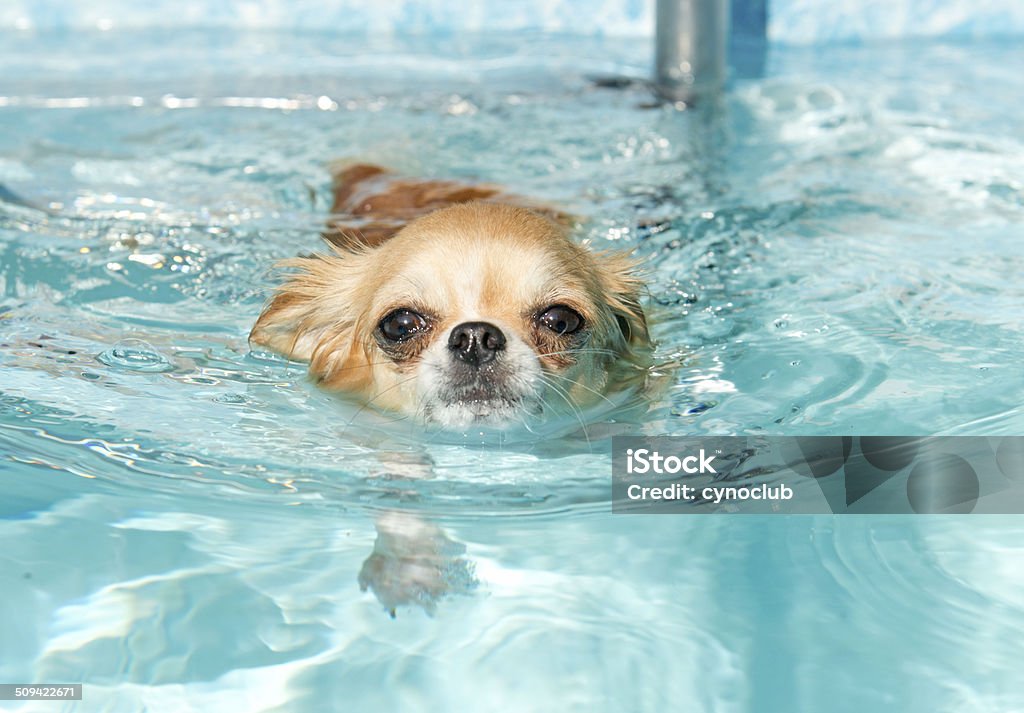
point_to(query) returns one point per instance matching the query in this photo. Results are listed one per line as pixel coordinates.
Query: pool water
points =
(835, 248)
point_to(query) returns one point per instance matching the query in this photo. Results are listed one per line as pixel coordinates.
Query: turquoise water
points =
(836, 249)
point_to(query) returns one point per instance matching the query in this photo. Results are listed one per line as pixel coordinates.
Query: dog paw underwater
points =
(458, 306)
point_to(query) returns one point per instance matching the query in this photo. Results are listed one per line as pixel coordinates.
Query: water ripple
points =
(135, 355)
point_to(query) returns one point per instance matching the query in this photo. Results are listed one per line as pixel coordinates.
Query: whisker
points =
(577, 412)
(526, 424)
(370, 402)
(606, 352)
(582, 386)
(367, 365)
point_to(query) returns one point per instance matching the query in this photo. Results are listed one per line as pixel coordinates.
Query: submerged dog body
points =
(474, 313)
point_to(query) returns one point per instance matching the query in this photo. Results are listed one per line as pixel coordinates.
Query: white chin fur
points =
(475, 413)
(518, 394)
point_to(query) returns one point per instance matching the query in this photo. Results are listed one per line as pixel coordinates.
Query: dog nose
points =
(476, 343)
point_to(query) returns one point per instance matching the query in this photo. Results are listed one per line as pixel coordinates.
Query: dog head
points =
(477, 313)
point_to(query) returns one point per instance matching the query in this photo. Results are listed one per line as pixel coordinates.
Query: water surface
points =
(833, 250)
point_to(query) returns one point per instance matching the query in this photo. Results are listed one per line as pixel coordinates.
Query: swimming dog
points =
(457, 304)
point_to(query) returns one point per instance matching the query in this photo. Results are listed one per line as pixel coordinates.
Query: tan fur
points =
(371, 203)
(423, 247)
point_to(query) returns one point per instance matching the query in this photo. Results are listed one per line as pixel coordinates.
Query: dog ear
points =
(311, 317)
(623, 287)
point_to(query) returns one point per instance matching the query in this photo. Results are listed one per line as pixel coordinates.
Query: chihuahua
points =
(459, 305)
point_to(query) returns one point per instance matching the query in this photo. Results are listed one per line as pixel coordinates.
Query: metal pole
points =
(690, 48)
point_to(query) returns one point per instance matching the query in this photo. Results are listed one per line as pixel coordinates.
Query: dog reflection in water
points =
(414, 562)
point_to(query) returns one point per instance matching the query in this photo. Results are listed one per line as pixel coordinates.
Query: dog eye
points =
(561, 320)
(402, 324)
